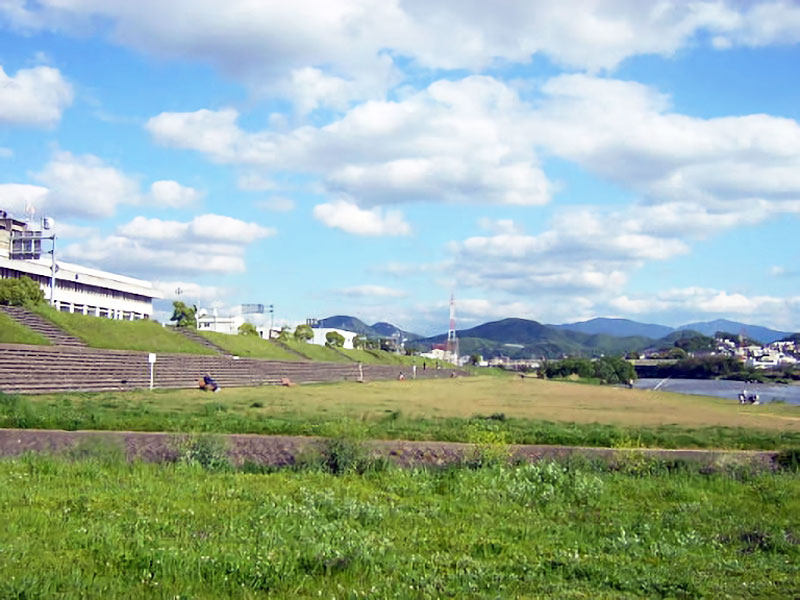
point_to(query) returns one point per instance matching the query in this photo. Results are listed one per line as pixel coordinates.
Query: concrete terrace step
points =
(51, 331)
(43, 369)
(196, 337)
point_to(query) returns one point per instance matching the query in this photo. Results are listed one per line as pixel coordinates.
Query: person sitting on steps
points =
(208, 384)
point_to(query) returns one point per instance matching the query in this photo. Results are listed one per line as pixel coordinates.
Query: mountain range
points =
(523, 338)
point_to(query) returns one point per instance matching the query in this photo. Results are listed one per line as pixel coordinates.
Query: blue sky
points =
(549, 161)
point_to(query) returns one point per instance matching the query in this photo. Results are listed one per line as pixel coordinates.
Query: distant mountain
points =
(754, 332)
(618, 327)
(378, 330)
(521, 338)
(348, 324)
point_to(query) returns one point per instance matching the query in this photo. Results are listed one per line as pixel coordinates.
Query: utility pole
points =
(271, 320)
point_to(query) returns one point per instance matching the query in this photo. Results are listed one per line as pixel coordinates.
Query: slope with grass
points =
(250, 346)
(12, 332)
(144, 335)
(317, 353)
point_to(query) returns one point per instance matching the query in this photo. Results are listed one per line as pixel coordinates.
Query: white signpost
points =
(152, 360)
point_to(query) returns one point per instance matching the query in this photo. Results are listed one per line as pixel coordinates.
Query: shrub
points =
(20, 292)
(248, 329)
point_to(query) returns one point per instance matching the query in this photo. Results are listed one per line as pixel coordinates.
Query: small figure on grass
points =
(208, 384)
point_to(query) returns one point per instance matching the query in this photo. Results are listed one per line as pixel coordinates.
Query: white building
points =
(77, 288)
(213, 322)
(320, 334)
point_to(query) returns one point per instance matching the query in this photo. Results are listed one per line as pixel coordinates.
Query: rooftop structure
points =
(70, 287)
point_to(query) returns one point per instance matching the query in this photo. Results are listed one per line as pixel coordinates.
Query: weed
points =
(207, 451)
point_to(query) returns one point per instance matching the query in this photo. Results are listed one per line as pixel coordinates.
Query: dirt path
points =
(283, 450)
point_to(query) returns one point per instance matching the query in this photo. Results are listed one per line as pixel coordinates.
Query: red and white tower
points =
(452, 340)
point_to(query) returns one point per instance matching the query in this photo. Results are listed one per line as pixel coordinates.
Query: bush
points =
(20, 292)
(248, 329)
(334, 339)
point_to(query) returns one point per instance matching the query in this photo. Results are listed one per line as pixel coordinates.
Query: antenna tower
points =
(452, 340)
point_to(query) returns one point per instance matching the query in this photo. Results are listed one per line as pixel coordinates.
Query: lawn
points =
(518, 411)
(12, 332)
(317, 353)
(145, 335)
(250, 346)
(96, 527)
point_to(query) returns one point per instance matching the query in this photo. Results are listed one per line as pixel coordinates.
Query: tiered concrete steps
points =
(56, 335)
(196, 337)
(43, 369)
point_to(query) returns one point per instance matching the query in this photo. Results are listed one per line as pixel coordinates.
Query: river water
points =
(723, 388)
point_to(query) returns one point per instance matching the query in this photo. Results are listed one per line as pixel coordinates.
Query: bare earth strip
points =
(283, 450)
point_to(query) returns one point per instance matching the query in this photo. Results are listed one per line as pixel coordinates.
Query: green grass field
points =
(12, 332)
(517, 411)
(145, 335)
(250, 346)
(98, 528)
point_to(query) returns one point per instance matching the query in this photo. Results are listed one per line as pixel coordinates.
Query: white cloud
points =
(6, 152)
(172, 194)
(371, 291)
(334, 50)
(190, 291)
(776, 311)
(15, 197)
(277, 204)
(207, 244)
(455, 141)
(499, 226)
(734, 168)
(352, 219)
(85, 186)
(34, 96)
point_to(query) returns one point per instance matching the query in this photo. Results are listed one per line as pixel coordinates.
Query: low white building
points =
(213, 322)
(72, 287)
(320, 334)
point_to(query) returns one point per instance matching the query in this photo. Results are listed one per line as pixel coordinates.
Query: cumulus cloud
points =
(455, 141)
(207, 244)
(352, 219)
(86, 187)
(777, 311)
(172, 194)
(190, 291)
(34, 96)
(276, 204)
(371, 291)
(330, 51)
(733, 167)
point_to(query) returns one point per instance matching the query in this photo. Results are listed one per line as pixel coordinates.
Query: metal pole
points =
(53, 274)
(271, 320)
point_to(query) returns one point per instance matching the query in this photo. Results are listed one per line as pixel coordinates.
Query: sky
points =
(549, 161)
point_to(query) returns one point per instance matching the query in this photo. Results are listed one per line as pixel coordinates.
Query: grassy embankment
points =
(100, 528)
(255, 347)
(515, 411)
(144, 335)
(12, 332)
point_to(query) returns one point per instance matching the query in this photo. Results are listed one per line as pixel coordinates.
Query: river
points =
(723, 388)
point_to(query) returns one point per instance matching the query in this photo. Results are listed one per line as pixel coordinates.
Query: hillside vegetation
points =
(12, 332)
(144, 335)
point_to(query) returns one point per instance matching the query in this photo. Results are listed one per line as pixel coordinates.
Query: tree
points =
(20, 292)
(334, 339)
(475, 359)
(184, 316)
(303, 333)
(284, 334)
(247, 329)
(359, 342)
